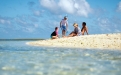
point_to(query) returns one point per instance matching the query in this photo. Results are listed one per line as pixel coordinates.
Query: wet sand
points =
(97, 41)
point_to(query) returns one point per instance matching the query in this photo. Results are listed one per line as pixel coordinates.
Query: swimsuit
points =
(54, 34)
(63, 27)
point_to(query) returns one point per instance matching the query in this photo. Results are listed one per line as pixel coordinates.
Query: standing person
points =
(54, 34)
(76, 32)
(64, 26)
(84, 28)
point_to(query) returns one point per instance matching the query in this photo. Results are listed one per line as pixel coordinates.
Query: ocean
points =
(17, 58)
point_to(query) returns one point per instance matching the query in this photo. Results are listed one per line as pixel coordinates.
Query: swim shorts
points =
(63, 27)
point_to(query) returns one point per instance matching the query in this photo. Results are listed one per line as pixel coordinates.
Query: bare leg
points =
(72, 34)
(54, 37)
(63, 33)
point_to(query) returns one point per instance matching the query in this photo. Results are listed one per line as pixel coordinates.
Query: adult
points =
(54, 34)
(84, 28)
(76, 32)
(64, 26)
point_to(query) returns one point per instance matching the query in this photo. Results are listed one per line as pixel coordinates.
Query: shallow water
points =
(17, 58)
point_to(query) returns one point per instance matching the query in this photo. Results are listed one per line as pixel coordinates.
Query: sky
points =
(38, 18)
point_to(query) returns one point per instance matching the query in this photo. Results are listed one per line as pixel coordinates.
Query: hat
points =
(75, 24)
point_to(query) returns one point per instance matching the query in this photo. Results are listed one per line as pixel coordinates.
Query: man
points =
(64, 26)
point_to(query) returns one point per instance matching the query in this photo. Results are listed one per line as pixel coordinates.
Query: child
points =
(54, 35)
(76, 32)
(84, 28)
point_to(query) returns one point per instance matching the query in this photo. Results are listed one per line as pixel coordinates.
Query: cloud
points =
(36, 25)
(30, 29)
(5, 21)
(116, 30)
(37, 13)
(33, 19)
(26, 24)
(67, 6)
(103, 22)
(79, 7)
(108, 25)
(50, 4)
(20, 21)
(119, 7)
(83, 8)
(102, 25)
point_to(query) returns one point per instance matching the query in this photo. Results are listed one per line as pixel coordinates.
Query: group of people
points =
(64, 26)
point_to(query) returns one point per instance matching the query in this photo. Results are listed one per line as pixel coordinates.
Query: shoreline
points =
(97, 41)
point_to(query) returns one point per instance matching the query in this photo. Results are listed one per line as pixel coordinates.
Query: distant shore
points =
(97, 41)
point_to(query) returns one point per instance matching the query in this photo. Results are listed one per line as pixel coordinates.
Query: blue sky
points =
(38, 18)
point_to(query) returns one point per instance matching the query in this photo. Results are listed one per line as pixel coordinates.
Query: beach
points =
(97, 41)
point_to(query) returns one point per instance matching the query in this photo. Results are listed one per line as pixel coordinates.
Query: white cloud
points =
(119, 7)
(50, 4)
(104, 25)
(36, 25)
(67, 6)
(37, 13)
(25, 25)
(103, 22)
(75, 7)
(30, 30)
(4, 21)
(83, 8)
(108, 25)
(19, 21)
(116, 30)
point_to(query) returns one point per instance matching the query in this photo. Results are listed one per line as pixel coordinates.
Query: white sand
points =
(101, 41)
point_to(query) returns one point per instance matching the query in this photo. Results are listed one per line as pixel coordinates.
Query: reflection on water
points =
(16, 58)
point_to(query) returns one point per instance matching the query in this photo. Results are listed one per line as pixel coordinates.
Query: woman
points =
(76, 32)
(84, 28)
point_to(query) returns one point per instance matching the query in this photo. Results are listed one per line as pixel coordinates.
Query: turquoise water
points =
(17, 58)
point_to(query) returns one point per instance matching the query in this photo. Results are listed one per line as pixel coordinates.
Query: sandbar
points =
(96, 41)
